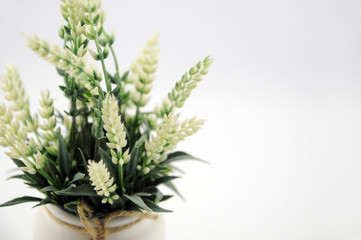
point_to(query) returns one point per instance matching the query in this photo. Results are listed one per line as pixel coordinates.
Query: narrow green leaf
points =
(35, 178)
(19, 200)
(125, 76)
(158, 196)
(137, 201)
(131, 166)
(19, 176)
(63, 158)
(83, 158)
(81, 91)
(61, 72)
(142, 194)
(140, 141)
(50, 165)
(96, 19)
(81, 190)
(44, 201)
(71, 206)
(82, 98)
(155, 207)
(77, 177)
(172, 187)
(164, 180)
(49, 189)
(179, 156)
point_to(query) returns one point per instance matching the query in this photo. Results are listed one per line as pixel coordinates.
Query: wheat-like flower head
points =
(183, 88)
(48, 124)
(115, 129)
(101, 180)
(169, 134)
(142, 72)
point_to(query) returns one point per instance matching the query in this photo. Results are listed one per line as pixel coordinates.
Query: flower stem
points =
(100, 53)
(120, 169)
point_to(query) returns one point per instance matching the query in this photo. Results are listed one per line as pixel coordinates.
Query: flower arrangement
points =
(106, 150)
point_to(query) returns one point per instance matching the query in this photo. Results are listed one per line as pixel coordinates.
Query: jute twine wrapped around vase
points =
(100, 231)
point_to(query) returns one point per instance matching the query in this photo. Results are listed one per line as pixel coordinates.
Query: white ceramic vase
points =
(46, 228)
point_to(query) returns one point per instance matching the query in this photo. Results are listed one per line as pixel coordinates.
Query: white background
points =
(282, 103)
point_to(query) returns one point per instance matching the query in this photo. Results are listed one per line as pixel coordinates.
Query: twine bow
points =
(100, 231)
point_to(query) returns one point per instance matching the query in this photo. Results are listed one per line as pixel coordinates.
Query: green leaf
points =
(179, 156)
(96, 19)
(140, 141)
(125, 76)
(49, 189)
(172, 187)
(82, 98)
(158, 196)
(71, 206)
(61, 72)
(155, 207)
(95, 56)
(19, 176)
(164, 180)
(83, 158)
(131, 166)
(19, 200)
(50, 165)
(116, 91)
(137, 201)
(35, 178)
(142, 194)
(81, 91)
(63, 88)
(45, 201)
(63, 158)
(81, 190)
(77, 177)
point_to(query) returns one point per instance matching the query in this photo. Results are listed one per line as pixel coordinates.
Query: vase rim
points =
(75, 220)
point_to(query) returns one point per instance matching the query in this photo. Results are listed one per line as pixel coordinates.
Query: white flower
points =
(142, 72)
(28, 168)
(183, 88)
(48, 125)
(115, 129)
(101, 180)
(64, 59)
(169, 134)
(164, 134)
(14, 91)
(13, 135)
(39, 160)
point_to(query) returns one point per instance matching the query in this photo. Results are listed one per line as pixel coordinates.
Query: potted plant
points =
(100, 163)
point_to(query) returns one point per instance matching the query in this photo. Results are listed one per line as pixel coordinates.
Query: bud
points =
(61, 32)
(193, 70)
(102, 17)
(106, 51)
(94, 55)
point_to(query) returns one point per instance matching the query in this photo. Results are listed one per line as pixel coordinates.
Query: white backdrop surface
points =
(282, 103)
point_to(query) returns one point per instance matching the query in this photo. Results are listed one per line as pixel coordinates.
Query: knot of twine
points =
(100, 231)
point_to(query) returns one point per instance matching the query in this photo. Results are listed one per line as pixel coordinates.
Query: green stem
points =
(120, 169)
(100, 53)
(96, 149)
(115, 61)
(138, 109)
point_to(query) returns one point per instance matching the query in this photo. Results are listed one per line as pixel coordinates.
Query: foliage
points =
(105, 150)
